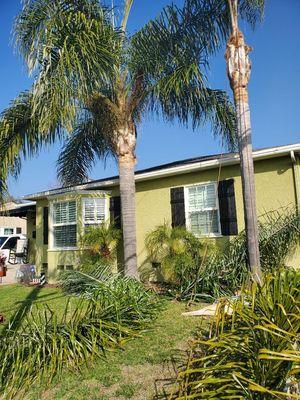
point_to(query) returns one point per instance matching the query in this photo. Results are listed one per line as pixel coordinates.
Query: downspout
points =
(296, 175)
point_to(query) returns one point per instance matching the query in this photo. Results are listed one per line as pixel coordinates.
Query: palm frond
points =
(170, 58)
(72, 48)
(84, 146)
(19, 135)
(223, 273)
(253, 354)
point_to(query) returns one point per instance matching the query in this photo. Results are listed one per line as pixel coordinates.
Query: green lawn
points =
(138, 371)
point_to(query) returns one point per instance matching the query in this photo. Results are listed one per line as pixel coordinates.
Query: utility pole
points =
(238, 71)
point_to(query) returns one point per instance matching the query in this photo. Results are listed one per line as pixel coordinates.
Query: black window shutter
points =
(177, 207)
(115, 211)
(45, 224)
(227, 206)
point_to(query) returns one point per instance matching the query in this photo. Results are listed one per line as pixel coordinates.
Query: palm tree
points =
(238, 71)
(94, 83)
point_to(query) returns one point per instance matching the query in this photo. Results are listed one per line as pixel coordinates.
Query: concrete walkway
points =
(10, 275)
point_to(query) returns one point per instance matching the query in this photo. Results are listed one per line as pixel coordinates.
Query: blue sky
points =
(274, 94)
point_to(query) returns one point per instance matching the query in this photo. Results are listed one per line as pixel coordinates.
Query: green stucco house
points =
(204, 194)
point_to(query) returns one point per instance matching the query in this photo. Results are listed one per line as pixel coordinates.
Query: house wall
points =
(11, 222)
(275, 189)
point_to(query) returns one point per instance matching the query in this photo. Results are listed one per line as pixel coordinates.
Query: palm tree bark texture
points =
(126, 143)
(238, 71)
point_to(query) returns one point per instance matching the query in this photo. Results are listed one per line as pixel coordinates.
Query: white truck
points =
(13, 249)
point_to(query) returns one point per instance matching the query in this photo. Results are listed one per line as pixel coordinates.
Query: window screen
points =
(93, 210)
(202, 209)
(64, 224)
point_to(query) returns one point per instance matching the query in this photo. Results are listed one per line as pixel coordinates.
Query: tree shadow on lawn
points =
(15, 322)
(167, 386)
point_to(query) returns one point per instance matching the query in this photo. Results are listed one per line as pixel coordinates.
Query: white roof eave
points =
(175, 170)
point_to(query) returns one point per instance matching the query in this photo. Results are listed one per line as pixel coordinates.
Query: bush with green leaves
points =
(255, 352)
(99, 244)
(177, 251)
(204, 272)
(133, 301)
(111, 309)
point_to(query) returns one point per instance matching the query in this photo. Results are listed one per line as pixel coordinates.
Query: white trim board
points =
(271, 152)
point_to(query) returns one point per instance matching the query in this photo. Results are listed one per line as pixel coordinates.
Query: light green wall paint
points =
(275, 188)
(296, 171)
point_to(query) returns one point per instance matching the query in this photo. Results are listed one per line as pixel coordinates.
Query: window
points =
(93, 210)
(64, 224)
(11, 243)
(2, 240)
(8, 231)
(18, 231)
(202, 209)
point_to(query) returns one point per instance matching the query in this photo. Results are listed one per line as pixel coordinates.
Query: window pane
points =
(8, 231)
(100, 209)
(201, 197)
(204, 222)
(94, 210)
(64, 212)
(196, 198)
(89, 210)
(11, 243)
(64, 236)
(210, 198)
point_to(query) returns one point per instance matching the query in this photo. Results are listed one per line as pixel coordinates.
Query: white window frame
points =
(106, 211)
(8, 228)
(217, 208)
(52, 225)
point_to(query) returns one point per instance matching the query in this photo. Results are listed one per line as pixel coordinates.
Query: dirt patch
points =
(141, 382)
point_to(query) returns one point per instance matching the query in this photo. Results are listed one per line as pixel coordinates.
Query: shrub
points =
(99, 244)
(253, 354)
(178, 252)
(134, 303)
(204, 272)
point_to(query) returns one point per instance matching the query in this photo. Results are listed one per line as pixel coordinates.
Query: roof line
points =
(177, 167)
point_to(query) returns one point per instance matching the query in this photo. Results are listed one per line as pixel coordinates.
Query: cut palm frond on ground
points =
(223, 273)
(254, 354)
(116, 310)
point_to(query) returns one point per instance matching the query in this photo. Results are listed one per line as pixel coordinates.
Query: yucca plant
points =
(252, 354)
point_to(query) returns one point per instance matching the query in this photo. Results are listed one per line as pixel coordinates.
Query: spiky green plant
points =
(204, 272)
(99, 244)
(114, 310)
(224, 272)
(253, 354)
(177, 251)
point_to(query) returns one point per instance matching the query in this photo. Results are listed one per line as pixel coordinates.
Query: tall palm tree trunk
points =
(126, 144)
(238, 70)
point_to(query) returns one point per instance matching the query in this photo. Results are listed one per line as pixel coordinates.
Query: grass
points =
(139, 371)
(16, 299)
